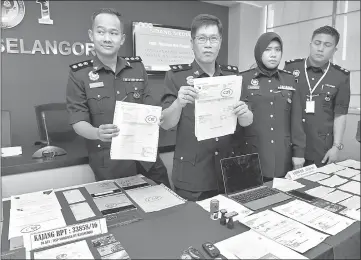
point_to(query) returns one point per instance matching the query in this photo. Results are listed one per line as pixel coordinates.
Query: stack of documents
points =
(285, 185)
(330, 168)
(251, 245)
(214, 115)
(101, 188)
(350, 163)
(155, 198)
(34, 212)
(314, 217)
(227, 204)
(284, 231)
(131, 182)
(139, 132)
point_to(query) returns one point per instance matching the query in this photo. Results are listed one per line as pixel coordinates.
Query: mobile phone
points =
(302, 195)
(211, 250)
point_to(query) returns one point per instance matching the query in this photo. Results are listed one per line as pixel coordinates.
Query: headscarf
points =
(262, 43)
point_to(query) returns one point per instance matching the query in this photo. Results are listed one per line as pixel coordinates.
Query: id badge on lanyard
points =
(310, 104)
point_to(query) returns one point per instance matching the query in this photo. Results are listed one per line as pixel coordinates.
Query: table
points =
(166, 233)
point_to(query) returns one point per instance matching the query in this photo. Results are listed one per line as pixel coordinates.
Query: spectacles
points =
(203, 39)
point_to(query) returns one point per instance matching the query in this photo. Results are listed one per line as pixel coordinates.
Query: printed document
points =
(285, 185)
(319, 191)
(333, 181)
(350, 163)
(227, 204)
(351, 213)
(337, 196)
(352, 202)
(29, 221)
(314, 217)
(356, 178)
(76, 250)
(155, 198)
(348, 173)
(101, 188)
(41, 200)
(139, 132)
(73, 196)
(316, 177)
(284, 231)
(352, 186)
(214, 115)
(330, 168)
(255, 246)
(82, 211)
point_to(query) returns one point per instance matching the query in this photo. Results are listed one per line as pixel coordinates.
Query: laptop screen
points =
(241, 172)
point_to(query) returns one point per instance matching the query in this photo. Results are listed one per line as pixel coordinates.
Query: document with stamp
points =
(139, 132)
(214, 115)
(113, 203)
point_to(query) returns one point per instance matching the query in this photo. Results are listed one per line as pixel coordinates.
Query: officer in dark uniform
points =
(276, 133)
(196, 166)
(325, 97)
(93, 88)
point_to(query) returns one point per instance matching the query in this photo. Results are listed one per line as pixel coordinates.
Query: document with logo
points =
(155, 198)
(29, 221)
(101, 188)
(113, 203)
(284, 231)
(139, 132)
(82, 211)
(76, 250)
(266, 248)
(214, 115)
(350, 163)
(314, 217)
(41, 200)
(132, 182)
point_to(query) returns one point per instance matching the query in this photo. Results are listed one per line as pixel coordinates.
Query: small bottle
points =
(214, 209)
(223, 220)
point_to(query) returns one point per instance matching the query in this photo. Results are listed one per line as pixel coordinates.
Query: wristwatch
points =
(338, 146)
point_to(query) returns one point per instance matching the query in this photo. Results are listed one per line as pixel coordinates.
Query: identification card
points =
(310, 106)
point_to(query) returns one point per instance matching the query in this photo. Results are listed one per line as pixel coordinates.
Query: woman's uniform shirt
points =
(277, 131)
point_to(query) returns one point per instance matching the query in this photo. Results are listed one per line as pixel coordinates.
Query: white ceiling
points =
(231, 3)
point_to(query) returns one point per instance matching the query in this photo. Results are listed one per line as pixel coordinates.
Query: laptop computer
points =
(243, 182)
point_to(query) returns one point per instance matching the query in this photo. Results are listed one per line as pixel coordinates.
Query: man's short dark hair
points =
(205, 20)
(108, 11)
(327, 30)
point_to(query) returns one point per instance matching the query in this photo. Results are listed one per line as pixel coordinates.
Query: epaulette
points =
(133, 59)
(180, 67)
(347, 72)
(244, 71)
(294, 60)
(286, 71)
(80, 65)
(229, 68)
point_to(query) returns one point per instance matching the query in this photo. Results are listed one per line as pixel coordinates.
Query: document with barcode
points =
(138, 132)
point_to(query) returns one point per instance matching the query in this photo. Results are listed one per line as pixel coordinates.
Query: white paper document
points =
(138, 132)
(352, 202)
(356, 178)
(73, 196)
(131, 181)
(350, 163)
(284, 231)
(82, 211)
(314, 217)
(76, 250)
(227, 204)
(333, 181)
(11, 151)
(348, 173)
(352, 186)
(155, 198)
(251, 245)
(41, 200)
(319, 191)
(213, 110)
(337, 196)
(330, 168)
(351, 213)
(316, 177)
(286, 184)
(23, 222)
(101, 188)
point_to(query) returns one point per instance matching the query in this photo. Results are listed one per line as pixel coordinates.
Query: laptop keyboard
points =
(254, 194)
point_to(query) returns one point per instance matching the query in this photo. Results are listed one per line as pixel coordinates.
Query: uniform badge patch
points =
(296, 73)
(93, 75)
(254, 82)
(190, 80)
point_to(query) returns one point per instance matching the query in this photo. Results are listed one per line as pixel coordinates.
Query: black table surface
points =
(76, 155)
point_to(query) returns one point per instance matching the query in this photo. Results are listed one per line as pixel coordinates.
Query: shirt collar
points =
(258, 73)
(309, 66)
(121, 64)
(198, 72)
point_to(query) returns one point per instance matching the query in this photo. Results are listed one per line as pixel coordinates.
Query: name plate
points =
(301, 172)
(65, 234)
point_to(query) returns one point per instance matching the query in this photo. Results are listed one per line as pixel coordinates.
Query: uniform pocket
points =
(327, 138)
(250, 144)
(99, 101)
(183, 166)
(135, 92)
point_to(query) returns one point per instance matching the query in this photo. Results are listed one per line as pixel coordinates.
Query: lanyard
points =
(318, 82)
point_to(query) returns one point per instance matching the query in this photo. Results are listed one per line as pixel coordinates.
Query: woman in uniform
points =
(276, 133)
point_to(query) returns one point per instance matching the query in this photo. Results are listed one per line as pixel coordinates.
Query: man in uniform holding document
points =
(325, 94)
(196, 167)
(93, 88)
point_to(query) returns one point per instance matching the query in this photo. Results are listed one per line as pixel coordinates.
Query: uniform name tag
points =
(330, 86)
(132, 80)
(253, 87)
(286, 87)
(310, 106)
(96, 85)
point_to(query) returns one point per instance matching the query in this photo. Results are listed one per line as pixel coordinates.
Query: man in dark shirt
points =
(93, 88)
(196, 167)
(325, 97)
